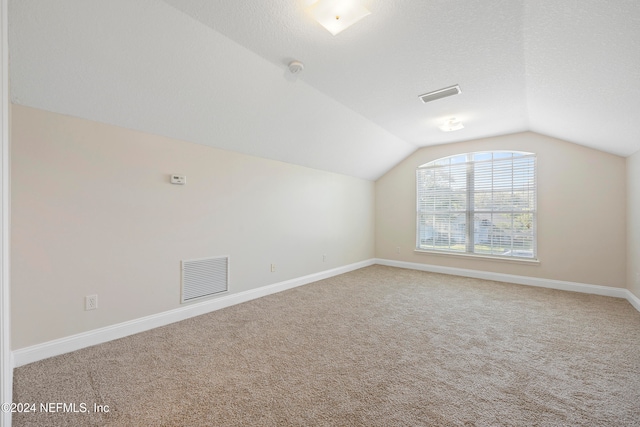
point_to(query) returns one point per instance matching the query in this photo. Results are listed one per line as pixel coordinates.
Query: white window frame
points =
(506, 241)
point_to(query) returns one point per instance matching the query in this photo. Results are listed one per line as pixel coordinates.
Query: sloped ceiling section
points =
(143, 65)
(214, 72)
(405, 48)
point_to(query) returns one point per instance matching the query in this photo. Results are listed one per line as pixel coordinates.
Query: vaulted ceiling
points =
(215, 72)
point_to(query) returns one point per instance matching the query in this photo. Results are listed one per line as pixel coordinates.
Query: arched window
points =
(479, 203)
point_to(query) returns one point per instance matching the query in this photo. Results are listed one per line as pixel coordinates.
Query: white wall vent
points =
(440, 93)
(204, 277)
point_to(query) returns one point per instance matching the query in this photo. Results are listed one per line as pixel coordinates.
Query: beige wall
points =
(633, 230)
(93, 212)
(581, 211)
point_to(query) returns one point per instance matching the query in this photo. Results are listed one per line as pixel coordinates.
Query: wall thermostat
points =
(178, 179)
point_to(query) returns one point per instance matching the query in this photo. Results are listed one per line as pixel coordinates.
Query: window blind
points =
(482, 203)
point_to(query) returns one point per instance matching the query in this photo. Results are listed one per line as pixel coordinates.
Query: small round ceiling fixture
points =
(451, 125)
(295, 67)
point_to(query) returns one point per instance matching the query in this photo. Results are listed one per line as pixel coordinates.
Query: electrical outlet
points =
(397, 249)
(273, 268)
(90, 302)
(324, 258)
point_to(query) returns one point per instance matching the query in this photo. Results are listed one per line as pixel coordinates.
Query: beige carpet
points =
(376, 347)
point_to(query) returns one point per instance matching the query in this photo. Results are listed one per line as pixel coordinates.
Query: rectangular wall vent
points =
(204, 277)
(441, 93)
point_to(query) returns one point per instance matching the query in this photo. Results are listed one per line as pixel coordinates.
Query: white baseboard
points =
(634, 300)
(520, 280)
(48, 349)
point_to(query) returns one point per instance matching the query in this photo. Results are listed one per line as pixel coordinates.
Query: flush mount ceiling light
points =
(337, 15)
(451, 124)
(440, 93)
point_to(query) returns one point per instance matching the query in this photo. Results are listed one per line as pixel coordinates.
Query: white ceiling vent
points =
(204, 277)
(441, 93)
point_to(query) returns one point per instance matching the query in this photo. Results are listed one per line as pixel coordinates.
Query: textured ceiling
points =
(214, 72)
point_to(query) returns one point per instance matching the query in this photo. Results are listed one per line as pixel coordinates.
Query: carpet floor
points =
(379, 346)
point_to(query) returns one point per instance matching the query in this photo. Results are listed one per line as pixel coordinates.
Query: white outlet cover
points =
(178, 179)
(90, 302)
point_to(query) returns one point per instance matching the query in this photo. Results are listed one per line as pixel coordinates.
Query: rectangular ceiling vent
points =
(441, 93)
(204, 277)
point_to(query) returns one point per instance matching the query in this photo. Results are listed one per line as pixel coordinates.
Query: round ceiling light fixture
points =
(295, 67)
(451, 124)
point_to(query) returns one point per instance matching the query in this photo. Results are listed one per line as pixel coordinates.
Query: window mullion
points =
(513, 231)
(470, 204)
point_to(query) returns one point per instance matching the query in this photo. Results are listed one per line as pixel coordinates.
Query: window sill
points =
(529, 261)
